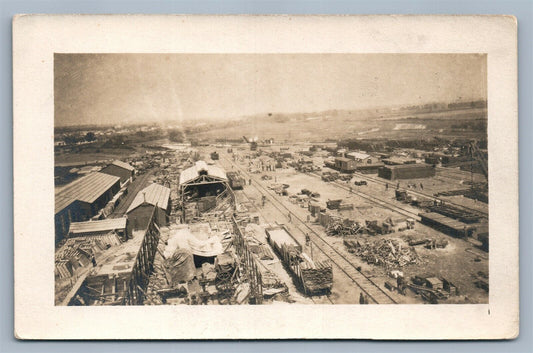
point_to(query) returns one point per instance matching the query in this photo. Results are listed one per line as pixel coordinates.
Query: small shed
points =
(141, 208)
(345, 165)
(121, 169)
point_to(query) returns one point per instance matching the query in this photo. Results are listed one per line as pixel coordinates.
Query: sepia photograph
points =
(234, 179)
(265, 177)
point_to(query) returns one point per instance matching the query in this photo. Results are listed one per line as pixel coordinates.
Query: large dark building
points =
(82, 199)
(406, 171)
(123, 170)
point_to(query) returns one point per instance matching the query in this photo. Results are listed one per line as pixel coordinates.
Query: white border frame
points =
(36, 38)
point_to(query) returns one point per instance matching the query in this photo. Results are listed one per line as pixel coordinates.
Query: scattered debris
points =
(388, 253)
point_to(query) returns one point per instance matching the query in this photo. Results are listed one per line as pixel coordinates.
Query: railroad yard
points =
(248, 223)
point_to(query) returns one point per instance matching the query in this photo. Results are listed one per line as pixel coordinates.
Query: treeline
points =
(381, 145)
(478, 125)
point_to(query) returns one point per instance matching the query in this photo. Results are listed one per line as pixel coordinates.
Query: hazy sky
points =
(117, 88)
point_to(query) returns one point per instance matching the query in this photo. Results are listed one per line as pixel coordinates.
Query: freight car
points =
(236, 181)
(312, 277)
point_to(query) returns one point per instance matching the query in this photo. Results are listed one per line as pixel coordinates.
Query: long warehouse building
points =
(406, 171)
(82, 199)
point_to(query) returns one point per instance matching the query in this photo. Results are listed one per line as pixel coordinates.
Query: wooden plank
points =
(74, 289)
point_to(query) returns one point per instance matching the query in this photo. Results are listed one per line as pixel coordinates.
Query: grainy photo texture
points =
(265, 177)
(238, 179)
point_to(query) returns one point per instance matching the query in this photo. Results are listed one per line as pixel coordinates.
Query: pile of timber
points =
(454, 212)
(342, 228)
(317, 276)
(388, 253)
(272, 284)
(257, 247)
(77, 252)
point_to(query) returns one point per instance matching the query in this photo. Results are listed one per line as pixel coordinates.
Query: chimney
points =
(144, 196)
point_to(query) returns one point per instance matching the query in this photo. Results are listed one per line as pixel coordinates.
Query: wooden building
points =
(141, 208)
(406, 171)
(82, 199)
(345, 165)
(360, 157)
(122, 278)
(123, 170)
(202, 187)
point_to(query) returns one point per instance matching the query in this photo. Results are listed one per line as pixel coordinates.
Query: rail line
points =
(375, 200)
(483, 214)
(321, 299)
(365, 283)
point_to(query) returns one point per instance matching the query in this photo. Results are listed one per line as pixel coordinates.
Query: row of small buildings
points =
(390, 168)
(123, 278)
(79, 205)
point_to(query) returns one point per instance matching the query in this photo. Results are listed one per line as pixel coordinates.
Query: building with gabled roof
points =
(204, 185)
(121, 169)
(358, 156)
(201, 170)
(82, 199)
(141, 208)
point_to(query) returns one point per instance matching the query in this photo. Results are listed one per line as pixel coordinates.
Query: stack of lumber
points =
(316, 275)
(342, 228)
(271, 281)
(345, 206)
(333, 204)
(258, 247)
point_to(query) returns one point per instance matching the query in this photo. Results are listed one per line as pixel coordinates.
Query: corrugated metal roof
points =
(87, 189)
(193, 172)
(97, 226)
(62, 201)
(154, 194)
(123, 165)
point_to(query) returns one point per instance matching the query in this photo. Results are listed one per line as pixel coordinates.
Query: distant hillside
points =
(377, 123)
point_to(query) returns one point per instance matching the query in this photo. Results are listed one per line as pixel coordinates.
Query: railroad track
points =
(322, 299)
(365, 283)
(375, 200)
(483, 214)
